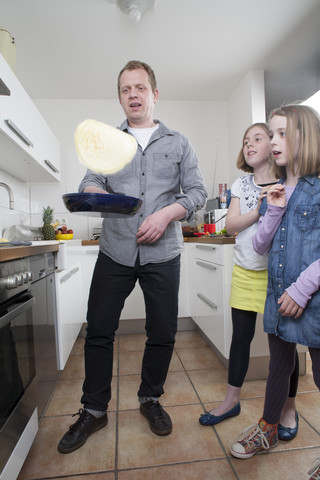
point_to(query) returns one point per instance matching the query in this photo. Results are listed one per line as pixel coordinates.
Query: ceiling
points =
(200, 49)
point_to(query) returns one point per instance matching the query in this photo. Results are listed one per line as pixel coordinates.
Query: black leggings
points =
(282, 360)
(244, 325)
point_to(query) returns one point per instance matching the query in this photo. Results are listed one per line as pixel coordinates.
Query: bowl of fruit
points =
(63, 233)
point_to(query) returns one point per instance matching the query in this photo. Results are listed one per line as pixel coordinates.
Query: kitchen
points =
(63, 111)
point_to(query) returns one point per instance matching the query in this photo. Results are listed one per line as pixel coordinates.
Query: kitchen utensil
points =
(15, 244)
(220, 218)
(101, 204)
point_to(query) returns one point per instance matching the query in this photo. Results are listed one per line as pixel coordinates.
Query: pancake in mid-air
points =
(103, 148)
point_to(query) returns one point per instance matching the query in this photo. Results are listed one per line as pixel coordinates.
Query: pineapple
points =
(48, 229)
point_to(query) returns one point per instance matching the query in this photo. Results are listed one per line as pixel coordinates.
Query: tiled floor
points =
(127, 450)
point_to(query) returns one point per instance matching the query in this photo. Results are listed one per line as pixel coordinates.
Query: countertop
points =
(217, 240)
(12, 253)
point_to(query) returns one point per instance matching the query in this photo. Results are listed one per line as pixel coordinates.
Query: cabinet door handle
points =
(50, 165)
(18, 132)
(206, 247)
(209, 266)
(68, 275)
(207, 301)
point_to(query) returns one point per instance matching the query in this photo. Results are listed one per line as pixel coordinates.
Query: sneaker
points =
(315, 470)
(159, 421)
(254, 439)
(79, 432)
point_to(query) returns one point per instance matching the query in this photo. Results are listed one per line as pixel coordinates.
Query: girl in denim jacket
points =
(289, 229)
(249, 277)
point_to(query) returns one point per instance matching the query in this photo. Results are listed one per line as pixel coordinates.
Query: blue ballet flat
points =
(208, 419)
(287, 433)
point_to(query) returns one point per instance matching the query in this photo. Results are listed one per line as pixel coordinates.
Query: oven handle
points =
(20, 309)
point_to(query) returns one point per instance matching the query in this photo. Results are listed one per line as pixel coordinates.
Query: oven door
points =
(17, 372)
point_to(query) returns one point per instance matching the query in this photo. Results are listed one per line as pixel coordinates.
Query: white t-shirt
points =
(245, 256)
(143, 135)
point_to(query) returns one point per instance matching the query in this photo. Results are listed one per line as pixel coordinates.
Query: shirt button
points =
(279, 285)
(142, 193)
(141, 215)
(283, 229)
(142, 174)
(305, 213)
(280, 264)
(281, 246)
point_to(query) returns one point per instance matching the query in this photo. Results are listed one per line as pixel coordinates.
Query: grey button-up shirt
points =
(166, 172)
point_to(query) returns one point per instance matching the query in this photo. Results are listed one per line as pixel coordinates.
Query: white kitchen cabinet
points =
(29, 150)
(134, 307)
(210, 271)
(69, 310)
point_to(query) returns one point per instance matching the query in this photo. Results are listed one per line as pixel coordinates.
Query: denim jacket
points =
(295, 246)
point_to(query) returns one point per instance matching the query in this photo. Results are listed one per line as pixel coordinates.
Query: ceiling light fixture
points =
(135, 8)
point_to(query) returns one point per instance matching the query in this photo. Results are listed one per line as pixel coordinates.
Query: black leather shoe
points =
(159, 421)
(79, 432)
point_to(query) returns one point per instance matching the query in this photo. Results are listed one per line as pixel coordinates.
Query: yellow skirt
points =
(248, 289)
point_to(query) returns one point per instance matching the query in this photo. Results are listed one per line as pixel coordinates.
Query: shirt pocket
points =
(305, 217)
(165, 165)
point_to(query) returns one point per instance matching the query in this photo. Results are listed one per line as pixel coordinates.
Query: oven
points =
(18, 396)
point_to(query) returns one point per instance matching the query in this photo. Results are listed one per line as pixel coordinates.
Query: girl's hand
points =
(263, 194)
(276, 195)
(289, 308)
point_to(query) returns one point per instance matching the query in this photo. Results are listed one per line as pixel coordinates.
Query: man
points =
(146, 246)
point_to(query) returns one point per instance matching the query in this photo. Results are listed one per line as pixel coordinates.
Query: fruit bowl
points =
(64, 236)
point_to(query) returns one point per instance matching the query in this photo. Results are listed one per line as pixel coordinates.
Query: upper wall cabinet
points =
(28, 149)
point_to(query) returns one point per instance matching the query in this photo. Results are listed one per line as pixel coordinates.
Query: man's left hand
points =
(152, 227)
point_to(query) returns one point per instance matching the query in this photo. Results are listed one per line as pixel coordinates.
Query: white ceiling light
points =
(135, 8)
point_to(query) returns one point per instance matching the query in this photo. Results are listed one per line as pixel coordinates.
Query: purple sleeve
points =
(307, 283)
(267, 227)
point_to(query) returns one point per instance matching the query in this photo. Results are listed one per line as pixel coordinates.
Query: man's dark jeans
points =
(111, 285)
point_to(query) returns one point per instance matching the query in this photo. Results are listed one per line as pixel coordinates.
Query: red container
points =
(209, 228)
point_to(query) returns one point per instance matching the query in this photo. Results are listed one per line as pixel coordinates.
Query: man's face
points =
(137, 98)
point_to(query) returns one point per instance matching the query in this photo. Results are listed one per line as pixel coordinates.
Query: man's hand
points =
(152, 227)
(289, 308)
(93, 189)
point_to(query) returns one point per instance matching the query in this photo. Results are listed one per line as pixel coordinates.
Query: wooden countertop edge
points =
(12, 253)
(218, 240)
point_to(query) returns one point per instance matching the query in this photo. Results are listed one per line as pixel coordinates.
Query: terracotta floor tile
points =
(67, 396)
(78, 347)
(130, 363)
(98, 476)
(308, 406)
(198, 358)
(138, 446)
(189, 339)
(205, 470)
(178, 391)
(276, 465)
(196, 380)
(75, 367)
(133, 343)
(44, 461)
(210, 384)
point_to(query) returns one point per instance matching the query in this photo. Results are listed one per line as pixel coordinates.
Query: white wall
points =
(246, 105)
